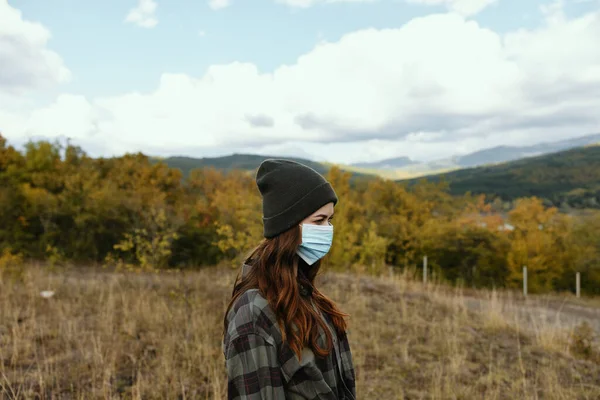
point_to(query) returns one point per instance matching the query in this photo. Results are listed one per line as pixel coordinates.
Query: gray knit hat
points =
(290, 192)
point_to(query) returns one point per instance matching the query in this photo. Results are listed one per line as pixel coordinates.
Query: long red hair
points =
(277, 271)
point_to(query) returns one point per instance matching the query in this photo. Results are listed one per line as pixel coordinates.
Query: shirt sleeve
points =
(253, 369)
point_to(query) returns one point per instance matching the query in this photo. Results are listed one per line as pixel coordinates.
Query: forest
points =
(60, 206)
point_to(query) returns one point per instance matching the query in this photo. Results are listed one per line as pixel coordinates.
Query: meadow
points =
(101, 334)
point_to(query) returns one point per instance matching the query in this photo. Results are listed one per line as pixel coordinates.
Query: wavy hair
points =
(277, 271)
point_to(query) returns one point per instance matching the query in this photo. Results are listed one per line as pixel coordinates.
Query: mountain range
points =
(564, 173)
(404, 167)
(392, 168)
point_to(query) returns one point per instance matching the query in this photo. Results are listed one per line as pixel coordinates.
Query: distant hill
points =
(568, 178)
(245, 162)
(406, 168)
(390, 163)
(502, 154)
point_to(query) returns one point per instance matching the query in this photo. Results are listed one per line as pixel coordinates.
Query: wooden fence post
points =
(424, 269)
(578, 285)
(525, 281)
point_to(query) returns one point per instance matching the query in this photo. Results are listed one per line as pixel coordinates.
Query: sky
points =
(332, 80)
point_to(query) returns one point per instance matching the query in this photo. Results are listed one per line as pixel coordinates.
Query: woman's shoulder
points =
(252, 314)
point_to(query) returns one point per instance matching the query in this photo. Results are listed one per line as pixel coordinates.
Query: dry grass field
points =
(107, 335)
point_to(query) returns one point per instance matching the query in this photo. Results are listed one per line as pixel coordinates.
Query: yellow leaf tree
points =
(539, 241)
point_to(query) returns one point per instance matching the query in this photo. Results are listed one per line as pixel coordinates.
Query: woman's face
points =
(322, 216)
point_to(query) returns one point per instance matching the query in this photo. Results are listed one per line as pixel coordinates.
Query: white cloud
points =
(437, 80)
(201, 33)
(219, 4)
(463, 7)
(26, 62)
(144, 15)
(69, 116)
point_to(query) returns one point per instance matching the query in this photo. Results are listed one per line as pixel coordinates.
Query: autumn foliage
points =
(59, 205)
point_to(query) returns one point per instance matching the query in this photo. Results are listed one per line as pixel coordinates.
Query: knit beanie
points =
(290, 192)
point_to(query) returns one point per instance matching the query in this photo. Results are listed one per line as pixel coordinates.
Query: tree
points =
(59, 204)
(238, 205)
(344, 250)
(540, 242)
(466, 252)
(585, 245)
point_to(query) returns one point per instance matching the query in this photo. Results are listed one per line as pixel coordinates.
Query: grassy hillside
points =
(568, 178)
(147, 336)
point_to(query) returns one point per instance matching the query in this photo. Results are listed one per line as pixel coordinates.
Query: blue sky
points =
(110, 59)
(109, 56)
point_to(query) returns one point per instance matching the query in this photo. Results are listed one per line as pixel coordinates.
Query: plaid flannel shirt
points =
(260, 366)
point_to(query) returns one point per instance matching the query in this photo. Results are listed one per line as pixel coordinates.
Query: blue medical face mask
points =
(316, 242)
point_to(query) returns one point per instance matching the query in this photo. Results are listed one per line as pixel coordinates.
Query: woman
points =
(283, 338)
